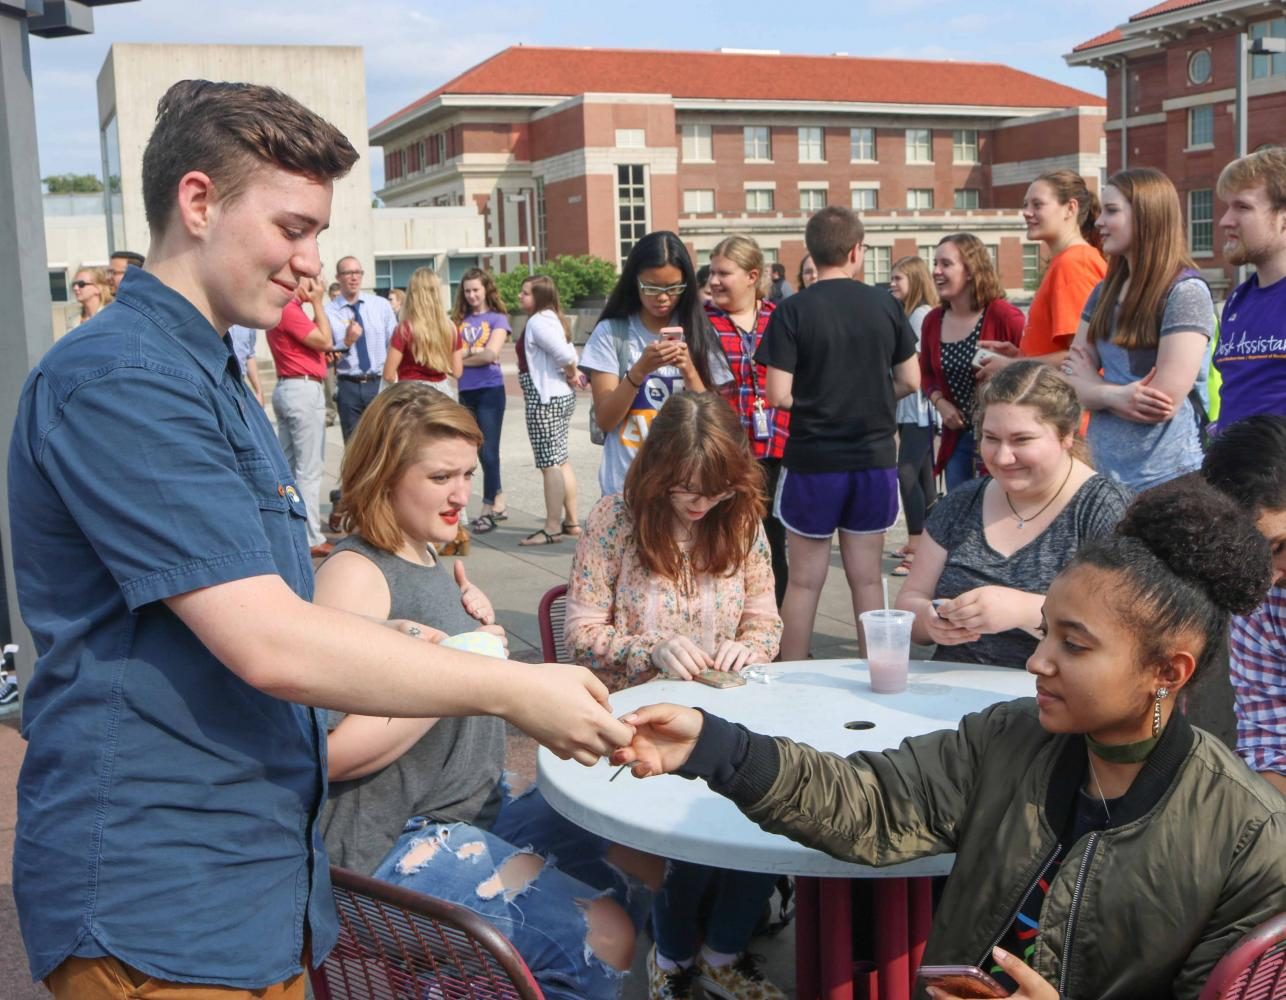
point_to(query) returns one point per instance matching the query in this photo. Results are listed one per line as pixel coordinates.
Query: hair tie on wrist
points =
(637, 385)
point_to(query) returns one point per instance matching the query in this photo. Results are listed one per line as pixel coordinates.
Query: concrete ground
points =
(514, 578)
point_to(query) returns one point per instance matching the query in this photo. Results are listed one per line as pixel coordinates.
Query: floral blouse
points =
(618, 612)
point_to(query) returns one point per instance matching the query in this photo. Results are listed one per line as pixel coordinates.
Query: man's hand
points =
(474, 600)
(680, 657)
(664, 736)
(565, 707)
(353, 332)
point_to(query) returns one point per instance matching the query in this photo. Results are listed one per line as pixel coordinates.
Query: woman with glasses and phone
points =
(673, 576)
(651, 341)
(92, 288)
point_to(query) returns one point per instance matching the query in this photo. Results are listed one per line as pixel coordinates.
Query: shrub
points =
(575, 277)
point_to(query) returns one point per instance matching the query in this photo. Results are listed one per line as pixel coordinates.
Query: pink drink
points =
(888, 672)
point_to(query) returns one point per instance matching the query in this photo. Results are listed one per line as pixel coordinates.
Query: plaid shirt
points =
(746, 375)
(1258, 661)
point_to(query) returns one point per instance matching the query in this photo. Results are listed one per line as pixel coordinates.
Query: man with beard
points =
(1251, 356)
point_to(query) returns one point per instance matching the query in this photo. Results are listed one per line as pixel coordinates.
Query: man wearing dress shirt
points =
(362, 324)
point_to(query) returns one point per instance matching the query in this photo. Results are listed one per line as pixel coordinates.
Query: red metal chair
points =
(1255, 969)
(395, 944)
(552, 614)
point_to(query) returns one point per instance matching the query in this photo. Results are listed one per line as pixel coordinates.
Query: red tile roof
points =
(1115, 35)
(751, 76)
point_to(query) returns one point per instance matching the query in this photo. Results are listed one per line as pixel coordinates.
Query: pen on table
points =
(618, 773)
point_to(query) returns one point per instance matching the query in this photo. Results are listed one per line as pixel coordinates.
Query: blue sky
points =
(412, 46)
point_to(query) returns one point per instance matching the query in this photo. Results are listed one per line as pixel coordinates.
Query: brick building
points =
(584, 150)
(1174, 65)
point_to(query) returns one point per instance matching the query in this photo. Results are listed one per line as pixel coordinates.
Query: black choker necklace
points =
(1071, 464)
(1122, 753)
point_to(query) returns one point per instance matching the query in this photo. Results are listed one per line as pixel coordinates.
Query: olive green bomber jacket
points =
(1194, 857)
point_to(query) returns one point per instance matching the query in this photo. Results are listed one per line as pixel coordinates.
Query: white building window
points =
(812, 199)
(542, 222)
(1031, 266)
(926, 252)
(758, 142)
(698, 200)
(876, 265)
(1201, 125)
(921, 198)
(698, 144)
(812, 144)
(965, 199)
(1199, 67)
(759, 199)
(440, 147)
(993, 249)
(919, 145)
(1268, 65)
(631, 203)
(964, 145)
(1201, 221)
(865, 199)
(770, 255)
(861, 144)
(630, 138)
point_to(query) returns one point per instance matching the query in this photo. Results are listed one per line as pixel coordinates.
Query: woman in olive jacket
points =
(1138, 847)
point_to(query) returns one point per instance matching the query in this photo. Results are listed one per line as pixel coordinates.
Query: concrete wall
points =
(330, 80)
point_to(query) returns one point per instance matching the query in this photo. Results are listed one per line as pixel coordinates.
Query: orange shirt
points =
(1056, 310)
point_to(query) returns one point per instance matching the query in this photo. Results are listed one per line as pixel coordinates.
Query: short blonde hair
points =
(746, 254)
(399, 422)
(1266, 167)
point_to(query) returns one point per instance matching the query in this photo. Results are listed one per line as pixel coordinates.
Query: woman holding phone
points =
(1147, 327)
(651, 341)
(1085, 821)
(973, 308)
(673, 576)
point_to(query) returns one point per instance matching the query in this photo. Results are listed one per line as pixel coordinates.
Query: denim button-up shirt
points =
(167, 811)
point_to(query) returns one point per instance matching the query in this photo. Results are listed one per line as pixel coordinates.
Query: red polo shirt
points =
(286, 341)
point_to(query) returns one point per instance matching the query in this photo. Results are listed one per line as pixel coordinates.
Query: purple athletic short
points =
(814, 504)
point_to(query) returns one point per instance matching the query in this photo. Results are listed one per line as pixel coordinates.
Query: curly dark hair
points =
(1247, 460)
(1186, 556)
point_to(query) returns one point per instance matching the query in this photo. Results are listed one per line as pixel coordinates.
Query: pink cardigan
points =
(1001, 320)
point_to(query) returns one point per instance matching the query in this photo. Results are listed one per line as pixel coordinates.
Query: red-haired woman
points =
(674, 576)
(973, 309)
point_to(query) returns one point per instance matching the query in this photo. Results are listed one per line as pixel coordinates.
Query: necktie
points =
(363, 355)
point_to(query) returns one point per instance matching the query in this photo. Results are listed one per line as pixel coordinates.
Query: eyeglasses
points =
(81, 284)
(656, 291)
(690, 496)
(345, 274)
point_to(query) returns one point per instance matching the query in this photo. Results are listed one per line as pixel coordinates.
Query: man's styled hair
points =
(831, 235)
(778, 272)
(1266, 167)
(128, 255)
(227, 130)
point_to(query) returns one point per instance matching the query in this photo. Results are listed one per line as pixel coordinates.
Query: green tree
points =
(73, 184)
(575, 278)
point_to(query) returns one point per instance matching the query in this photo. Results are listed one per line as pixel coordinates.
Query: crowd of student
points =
(172, 802)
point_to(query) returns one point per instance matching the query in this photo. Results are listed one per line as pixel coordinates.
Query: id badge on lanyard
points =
(759, 421)
(759, 429)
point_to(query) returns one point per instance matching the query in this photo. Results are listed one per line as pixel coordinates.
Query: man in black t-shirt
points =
(839, 355)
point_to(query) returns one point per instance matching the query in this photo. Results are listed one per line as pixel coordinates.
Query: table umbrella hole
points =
(859, 724)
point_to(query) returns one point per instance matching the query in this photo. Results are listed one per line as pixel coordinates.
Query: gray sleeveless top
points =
(452, 775)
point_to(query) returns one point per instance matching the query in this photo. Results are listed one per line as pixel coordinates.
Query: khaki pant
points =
(110, 979)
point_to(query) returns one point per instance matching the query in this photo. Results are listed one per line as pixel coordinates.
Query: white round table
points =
(829, 705)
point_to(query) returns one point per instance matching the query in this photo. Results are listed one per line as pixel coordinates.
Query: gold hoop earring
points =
(1161, 695)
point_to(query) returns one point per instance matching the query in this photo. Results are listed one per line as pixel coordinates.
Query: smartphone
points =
(671, 333)
(720, 678)
(937, 602)
(960, 981)
(981, 356)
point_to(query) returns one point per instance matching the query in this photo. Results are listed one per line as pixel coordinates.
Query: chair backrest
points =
(396, 944)
(1255, 968)
(552, 615)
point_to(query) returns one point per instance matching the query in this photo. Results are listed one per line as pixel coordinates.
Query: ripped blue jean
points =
(544, 919)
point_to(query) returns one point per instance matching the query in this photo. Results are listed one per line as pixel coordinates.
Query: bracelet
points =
(637, 385)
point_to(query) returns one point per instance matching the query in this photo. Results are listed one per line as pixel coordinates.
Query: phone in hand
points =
(981, 356)
(937, 603)
(671, 333)
(720, 678)
(960, 981)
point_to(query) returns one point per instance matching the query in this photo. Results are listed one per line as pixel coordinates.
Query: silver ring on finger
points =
(414, 631)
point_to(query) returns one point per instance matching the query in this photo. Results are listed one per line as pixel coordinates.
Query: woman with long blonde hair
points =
(92, 289)
(1146, 326)
(912, 285)
(426, 346)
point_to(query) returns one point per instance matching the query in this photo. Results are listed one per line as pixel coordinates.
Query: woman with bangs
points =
(1146, 326)
(426, 347)
(674, 577)
(973, 309)
(422, 803)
